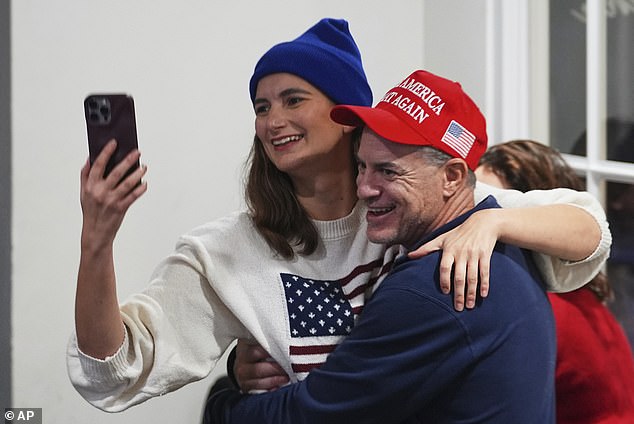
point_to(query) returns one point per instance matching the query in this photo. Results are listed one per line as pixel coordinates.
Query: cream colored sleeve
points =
(176, 330)
(559, 275)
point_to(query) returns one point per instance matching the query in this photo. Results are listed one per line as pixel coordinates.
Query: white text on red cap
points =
(426, 94)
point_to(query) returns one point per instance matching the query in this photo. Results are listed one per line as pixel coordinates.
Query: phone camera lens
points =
(98, 110)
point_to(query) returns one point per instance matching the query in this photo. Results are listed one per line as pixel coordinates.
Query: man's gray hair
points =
(438, 158)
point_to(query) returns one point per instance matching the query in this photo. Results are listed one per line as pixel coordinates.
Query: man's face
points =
(403, 193)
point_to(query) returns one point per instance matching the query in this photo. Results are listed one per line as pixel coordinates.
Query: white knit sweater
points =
(223, 282)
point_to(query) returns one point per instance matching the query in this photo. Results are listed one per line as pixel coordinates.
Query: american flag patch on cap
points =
(458, 138)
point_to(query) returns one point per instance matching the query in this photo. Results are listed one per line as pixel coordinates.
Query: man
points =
(413, 358)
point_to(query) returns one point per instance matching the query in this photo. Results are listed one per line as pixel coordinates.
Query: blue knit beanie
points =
(326, 56)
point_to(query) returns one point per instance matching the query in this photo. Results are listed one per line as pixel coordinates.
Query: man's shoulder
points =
(425, 266)
(419, 275)
(508, 261)
(512, 274)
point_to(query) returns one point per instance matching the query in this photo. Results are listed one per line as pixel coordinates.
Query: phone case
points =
(111, 116)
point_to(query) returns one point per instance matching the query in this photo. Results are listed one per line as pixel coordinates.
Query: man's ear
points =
(456, 175)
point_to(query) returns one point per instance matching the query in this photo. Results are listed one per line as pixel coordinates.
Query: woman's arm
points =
(158, 340)
(104, 201)
(563, 231)
(560, 273)
(567, 231)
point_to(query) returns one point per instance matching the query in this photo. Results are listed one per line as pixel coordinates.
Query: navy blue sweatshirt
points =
(413, 359)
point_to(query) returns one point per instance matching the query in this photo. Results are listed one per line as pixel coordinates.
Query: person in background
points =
(303, 226)
(595, 367)
(413, 358)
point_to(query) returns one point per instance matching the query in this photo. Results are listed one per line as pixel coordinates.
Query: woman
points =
(594, 378)
(304, 230)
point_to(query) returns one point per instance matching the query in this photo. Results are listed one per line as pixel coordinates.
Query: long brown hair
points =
(274, 208)
(528, 165)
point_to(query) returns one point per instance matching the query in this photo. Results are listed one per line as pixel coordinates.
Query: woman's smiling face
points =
(292, 120)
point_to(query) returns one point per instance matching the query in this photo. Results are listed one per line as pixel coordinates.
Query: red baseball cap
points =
(424, 110)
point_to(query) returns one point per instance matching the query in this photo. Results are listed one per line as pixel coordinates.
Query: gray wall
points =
(5, 205)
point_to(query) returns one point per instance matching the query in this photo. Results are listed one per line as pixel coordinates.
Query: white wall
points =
(187, 63)
(455, 41)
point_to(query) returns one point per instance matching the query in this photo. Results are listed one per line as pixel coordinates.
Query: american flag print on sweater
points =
(322, 312)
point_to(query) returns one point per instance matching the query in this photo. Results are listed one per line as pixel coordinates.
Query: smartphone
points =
(111, 116)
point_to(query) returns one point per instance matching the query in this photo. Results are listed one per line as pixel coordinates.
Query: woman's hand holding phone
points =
(105, 200)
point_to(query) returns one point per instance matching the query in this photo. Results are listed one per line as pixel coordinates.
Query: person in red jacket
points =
(595, 367)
